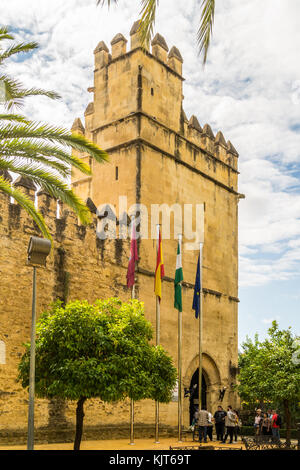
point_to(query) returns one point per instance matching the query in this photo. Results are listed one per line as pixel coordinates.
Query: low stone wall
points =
(45, 435)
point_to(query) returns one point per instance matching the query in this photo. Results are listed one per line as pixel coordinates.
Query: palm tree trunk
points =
(79, 422)
(288, 421)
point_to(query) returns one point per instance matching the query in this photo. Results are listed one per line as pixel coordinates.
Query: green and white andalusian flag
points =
(178, 279)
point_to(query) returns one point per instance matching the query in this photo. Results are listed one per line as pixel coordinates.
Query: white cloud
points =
(250, 89)
(268, 321)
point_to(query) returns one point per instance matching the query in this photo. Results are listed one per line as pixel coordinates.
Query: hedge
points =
(249, 431)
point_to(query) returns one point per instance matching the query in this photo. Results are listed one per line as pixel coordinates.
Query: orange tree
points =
(270, 371)
(98, 351)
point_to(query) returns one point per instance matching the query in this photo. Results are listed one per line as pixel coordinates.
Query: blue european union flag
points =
(197, 288)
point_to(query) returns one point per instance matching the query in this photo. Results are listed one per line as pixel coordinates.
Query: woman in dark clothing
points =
(238, 425)
(265, 425)
(219, 419)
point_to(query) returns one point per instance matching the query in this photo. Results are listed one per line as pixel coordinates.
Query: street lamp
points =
(38, 250)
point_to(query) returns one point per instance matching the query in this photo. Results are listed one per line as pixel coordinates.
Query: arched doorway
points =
(194, 395)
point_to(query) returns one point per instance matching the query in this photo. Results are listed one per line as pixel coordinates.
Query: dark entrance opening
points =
(194, 398)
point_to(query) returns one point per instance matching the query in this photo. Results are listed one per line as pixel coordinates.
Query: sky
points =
(249, 89)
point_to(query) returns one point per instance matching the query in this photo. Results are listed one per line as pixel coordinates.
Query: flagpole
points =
(157, 343)
(131, 400)
(132, 443)
(200, 332)
(180, 363)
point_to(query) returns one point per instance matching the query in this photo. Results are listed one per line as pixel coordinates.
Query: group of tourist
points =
(267, 423)
(227, 424)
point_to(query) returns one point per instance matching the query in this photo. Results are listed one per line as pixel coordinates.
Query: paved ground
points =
(122, 444)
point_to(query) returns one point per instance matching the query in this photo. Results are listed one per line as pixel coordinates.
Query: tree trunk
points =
(79, 422)
(288, 421)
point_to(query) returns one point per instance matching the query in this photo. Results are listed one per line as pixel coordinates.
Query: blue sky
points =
(250, 89)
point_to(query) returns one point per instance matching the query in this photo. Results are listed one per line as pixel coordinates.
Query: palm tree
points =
(148, 13)
(36, 150)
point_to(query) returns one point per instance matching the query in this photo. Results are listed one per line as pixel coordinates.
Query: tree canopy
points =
(270, 369)
(98, 351)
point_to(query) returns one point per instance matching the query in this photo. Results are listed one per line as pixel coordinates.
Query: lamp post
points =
(38, 250)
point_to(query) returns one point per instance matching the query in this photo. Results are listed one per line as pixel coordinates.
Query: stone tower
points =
(158, 156)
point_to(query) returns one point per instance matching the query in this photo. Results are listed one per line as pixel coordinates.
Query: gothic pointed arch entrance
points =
(194, 395)
(211, 384)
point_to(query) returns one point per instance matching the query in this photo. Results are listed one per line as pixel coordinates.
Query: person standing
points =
(266, 425)
(270, 416)
(238, 425)
(219, 418)
(257, 422)
(195, 422)
(275, 424)
(230, 420)
(203, 423)
(210, 426)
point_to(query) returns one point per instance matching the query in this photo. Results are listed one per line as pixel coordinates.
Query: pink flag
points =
(133, 258)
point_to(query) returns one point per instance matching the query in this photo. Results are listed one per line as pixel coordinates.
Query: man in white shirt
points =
(230, 421)
(203, 423)
(210, 426)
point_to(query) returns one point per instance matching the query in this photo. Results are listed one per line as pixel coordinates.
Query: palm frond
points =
(36, 150)
(17, 49)
(205, 28)
(38, 92)
(53, 134)
(27, 204)
(14, 93)
(53, 185)
(14, 118)
(103, 2)
(4, 33)
(67, 196)
(31, 149)
(147, 21)
(80, 143)
(11, 156)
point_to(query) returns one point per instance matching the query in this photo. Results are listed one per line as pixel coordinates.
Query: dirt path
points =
(122, 444)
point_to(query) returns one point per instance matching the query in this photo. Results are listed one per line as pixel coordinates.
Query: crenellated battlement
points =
(215, 145)
(159, 49)
(158, 157)
(132, 83)
(63, 224)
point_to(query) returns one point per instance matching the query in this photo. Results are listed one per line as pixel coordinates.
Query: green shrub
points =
(249, 431)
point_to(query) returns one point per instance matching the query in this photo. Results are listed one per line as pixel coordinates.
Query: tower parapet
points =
(135, 39)
(118, 46)
(138, 98)
(208, 138)
(160, 48)
(27, 186)
(5, 175)
(101, 54)
(194, 130)
(175, 60)
(77, 126)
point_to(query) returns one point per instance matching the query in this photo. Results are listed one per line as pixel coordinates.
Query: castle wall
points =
(157, 156)
(78, 267)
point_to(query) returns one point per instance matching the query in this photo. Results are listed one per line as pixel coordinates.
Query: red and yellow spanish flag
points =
(159, 271)
(133, 257)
